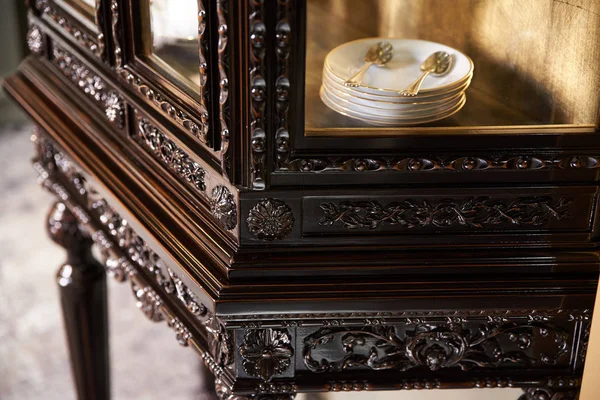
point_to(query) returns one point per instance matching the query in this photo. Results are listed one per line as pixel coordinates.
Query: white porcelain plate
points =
(408, 54)
(402, 113)
(381, 102)
(382, 121)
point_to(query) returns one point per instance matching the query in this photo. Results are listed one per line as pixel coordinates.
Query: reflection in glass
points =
(536, 61)
(175, 35)
(84, 7)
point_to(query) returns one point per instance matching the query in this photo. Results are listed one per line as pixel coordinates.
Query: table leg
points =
(82, 285)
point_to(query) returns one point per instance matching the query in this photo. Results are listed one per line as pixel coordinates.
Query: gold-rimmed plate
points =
(382, 121)
(389, 109)
(399, 100)
(408, 54)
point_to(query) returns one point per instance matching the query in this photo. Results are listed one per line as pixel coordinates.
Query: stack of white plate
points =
(378, 100)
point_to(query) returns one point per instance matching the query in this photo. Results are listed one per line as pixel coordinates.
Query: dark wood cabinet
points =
(299, 250)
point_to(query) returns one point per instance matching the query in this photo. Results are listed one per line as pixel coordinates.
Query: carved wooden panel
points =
(508, 210)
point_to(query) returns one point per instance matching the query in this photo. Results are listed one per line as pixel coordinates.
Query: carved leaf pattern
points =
(430, 346)
(266, 352)
(472, 212)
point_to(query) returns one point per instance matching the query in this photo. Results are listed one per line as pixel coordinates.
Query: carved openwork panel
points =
(465, 345)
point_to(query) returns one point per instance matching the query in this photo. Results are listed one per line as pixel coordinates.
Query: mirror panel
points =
(536, 62)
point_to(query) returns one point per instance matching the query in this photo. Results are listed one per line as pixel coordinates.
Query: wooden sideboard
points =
(300, 251)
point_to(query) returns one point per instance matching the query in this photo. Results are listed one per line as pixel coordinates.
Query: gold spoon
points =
(378, 54)
(438, 64)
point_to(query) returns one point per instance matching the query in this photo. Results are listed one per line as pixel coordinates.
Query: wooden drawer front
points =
(566, 209)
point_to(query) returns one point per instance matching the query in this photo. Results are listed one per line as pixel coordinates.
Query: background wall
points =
(13, 27)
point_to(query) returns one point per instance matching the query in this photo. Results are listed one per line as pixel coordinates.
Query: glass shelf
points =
(536, 61)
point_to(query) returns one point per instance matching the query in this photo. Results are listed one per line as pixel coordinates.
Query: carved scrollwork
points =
(266, 352)
(90, 84)
(165, 150)
(270, 219)
(422, 164)
(471, 212)
(432, 347)
(223, 207)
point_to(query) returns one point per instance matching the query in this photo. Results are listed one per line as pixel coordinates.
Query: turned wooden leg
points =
(82, 285)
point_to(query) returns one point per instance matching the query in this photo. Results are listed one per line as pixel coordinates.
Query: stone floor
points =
(147, 362)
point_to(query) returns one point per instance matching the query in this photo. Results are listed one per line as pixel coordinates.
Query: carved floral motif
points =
(270, 219)
(472, 212)
(431, 346)
(165, 150)
(90, 84)
(266, 352)
(35, 40)
(223, 207)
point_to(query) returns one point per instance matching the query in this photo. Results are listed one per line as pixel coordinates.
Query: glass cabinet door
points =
(534, 62)
(174, 38)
